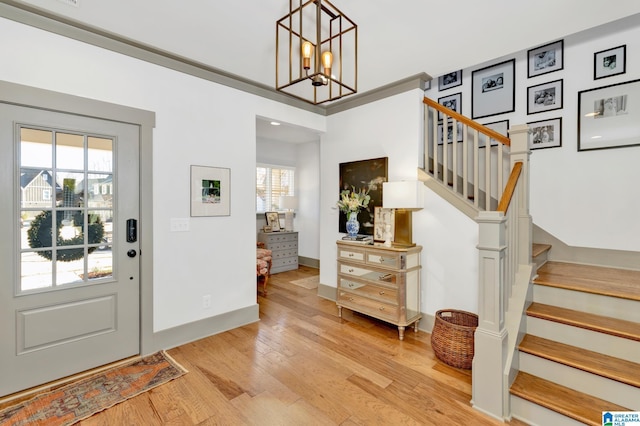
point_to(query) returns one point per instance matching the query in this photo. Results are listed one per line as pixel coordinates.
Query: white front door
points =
(69, 256)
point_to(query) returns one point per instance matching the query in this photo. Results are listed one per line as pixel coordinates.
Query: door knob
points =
(131, 253)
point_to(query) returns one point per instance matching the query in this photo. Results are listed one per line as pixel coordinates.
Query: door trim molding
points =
(17, 94)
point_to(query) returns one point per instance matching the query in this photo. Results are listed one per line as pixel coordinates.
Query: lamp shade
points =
(403, 195)
(288, 202)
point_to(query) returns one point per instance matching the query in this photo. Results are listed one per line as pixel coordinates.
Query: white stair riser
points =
(591, 384)
(540, 260)
(613, 307)
(586, 339)
(527, 411)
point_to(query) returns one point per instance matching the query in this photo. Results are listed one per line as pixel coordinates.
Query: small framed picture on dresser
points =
(273, 221)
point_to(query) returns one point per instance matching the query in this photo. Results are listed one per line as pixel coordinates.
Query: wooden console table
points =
(382, 282)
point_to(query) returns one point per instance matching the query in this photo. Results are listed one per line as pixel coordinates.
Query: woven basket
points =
(452, 337)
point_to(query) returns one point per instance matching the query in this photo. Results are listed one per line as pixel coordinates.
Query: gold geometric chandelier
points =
(316, 52)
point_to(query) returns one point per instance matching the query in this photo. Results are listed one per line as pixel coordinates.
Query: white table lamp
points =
(289, 203)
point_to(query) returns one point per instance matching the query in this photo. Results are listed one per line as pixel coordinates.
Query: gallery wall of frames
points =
(551, 86)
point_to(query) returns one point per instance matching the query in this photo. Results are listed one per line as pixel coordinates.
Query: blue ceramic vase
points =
(353, 226)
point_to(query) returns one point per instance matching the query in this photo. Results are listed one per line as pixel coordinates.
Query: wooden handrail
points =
(468, 122)
(510, 188)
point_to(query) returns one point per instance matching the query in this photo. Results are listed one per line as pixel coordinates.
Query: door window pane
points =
(36, 188)
(69, 272)
(70, 189)
(35, 271)
(62, 242)
(100, 154)
(100, 191)
(36, 148)
(100, 263)
(69, 151)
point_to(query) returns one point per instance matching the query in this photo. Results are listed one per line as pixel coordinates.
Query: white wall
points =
(308, 213)
(276, 153)
(586, 199)
(197, 122)
(391, 128)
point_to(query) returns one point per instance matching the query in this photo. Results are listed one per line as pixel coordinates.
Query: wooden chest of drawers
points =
(284, 247)
(381, 282)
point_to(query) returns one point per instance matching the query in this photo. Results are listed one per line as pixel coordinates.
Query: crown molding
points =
(48, 21)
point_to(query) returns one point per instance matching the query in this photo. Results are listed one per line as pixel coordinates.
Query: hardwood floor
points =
(302, 365)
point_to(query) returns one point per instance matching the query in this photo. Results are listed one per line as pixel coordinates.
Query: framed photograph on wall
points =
(459, 134)
(493, 90)
(368, 175)
(273, 221)
(383, 217)
(452, 79)
(210, 191)
(610, 62)
(501, 127)
(545, 133)
(453, 102)
(544, 97)
(606, 118)
(545, 59)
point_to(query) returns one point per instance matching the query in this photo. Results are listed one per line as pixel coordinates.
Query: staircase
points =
(580, 355)
(557, 343)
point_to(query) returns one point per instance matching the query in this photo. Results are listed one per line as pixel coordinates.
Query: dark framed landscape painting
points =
(368, 175)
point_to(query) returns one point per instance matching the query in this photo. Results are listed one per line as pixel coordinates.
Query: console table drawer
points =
(353, 270)
(390, 260)
(368, 306)
(388, 295)
(389, 278)
(351, 254)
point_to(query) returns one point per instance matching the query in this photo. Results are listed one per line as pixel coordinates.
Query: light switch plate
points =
(179, 225)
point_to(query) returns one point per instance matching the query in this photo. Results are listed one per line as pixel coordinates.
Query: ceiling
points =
(396, 39)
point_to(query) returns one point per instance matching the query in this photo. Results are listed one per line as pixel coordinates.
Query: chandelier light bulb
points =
(327, 61)
(307, 48)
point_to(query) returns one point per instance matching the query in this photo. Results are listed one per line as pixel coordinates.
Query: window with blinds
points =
(272, 182)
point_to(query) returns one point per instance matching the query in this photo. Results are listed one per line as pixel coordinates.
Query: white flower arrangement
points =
(353, 201)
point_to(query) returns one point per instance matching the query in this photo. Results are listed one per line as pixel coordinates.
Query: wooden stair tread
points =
(593, 362)
(537, 249)
(607, 325)
(601, 280)
(571, 403)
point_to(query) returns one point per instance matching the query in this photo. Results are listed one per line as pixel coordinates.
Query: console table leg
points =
(415, 326)
(401, 332)
(339, 311)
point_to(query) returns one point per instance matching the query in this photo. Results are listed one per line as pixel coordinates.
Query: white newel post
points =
(520, 151)
(493, 346)
(490, 346)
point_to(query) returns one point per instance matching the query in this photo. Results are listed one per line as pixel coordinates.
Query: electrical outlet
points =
(206, 301)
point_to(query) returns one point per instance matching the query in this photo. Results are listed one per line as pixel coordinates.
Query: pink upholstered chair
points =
(263, 265)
